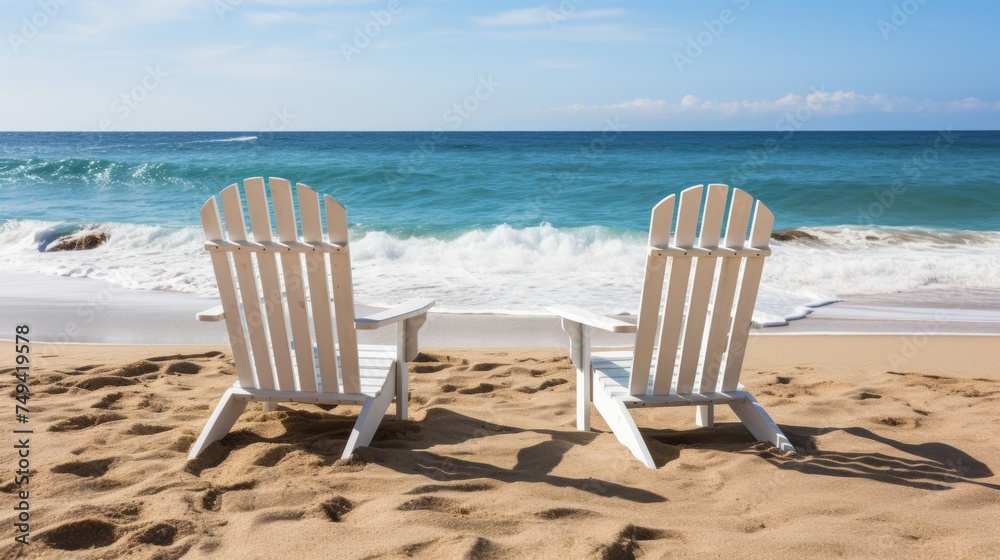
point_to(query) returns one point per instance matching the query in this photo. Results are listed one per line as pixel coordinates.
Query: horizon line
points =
(433, 131)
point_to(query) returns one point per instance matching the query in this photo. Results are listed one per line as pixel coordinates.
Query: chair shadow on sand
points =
(323, 434)
(401, 446)
(928, 466)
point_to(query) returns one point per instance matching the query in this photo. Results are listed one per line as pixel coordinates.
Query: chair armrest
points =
(212, 315)
(401, 312)
(584, 317)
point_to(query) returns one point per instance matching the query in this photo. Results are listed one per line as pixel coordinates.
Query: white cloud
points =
(527, 16)
(540, 15)
(591, 14)
(91, 21)
(821, 102)
(599, 33)
(279, 17)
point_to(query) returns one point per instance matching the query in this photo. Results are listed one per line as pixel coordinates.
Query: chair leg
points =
(579, 352)
(618, 418)
(704, 415)
(402, 371)
(407, 348)
(226, 414)
(584, 396)
(402, 390)
(756, 419)
(370, 417)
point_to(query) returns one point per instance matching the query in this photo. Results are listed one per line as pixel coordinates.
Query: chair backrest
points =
(264, 279)
(704, 321)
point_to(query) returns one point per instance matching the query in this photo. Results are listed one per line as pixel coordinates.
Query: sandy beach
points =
(896, 439)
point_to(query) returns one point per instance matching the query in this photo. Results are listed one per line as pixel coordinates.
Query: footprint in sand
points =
(430, 363)
(108, 401)
(459, 487)
(479, 389)
(81, 534)
(626, 543)
(84, 421)
(154, 403)
(46, 379)
(970, 388)
(95, 383)
(85, 469)
(564, 513)
(212, 500)
(147, 429)
(212, 354)
(186, 368)
(547, 384)
(470, 548)
(136, 369)
(433, 503)
(427, 368)
(336, 508)
(158, 534)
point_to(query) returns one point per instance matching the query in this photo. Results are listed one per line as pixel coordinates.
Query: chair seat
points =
(375, 364)
(611, 375)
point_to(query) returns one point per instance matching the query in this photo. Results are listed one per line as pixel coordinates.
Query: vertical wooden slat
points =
(673, 306)
(267, 264)
(227, 293)
(232, 207)
(760, 235)
(652, 292)
(319, 292)
(722, 311)
(291, 268)
(343, 296)
(701, 289)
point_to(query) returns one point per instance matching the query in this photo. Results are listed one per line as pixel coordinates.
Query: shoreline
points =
(84, 310)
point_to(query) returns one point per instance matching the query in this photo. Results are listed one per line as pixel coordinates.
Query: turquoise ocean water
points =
(516, 220)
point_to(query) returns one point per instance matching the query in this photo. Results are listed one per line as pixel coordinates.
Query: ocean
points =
(514, 221)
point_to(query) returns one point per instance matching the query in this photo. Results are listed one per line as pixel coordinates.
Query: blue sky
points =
(489, 65)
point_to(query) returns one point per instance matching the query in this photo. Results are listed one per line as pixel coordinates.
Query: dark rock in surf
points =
(79, 241)
(792, 235)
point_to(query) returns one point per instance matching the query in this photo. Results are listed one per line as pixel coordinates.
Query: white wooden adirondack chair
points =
(282, 338)
(689, 348)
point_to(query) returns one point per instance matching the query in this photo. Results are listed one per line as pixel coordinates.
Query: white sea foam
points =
(504, 269)
(851, 260)
(234, 139)
(135, 256)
